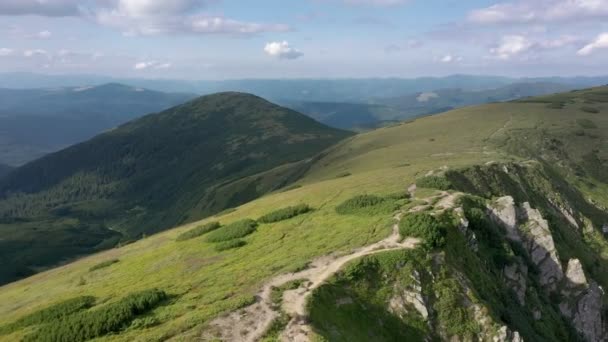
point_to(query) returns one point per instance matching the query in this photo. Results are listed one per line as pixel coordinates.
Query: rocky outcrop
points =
(539, 244)
(516, 276)
(408, 297)
(582, 303)
(463, 228)
(506, 335)
(605, 228)
(504, 212)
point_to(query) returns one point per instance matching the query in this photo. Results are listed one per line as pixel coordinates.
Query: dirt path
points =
(250, 323)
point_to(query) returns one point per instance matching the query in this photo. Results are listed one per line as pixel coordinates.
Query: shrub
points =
(110, 318)
(222, 246)
(285, 213)
(556, 105)
(434, 182)
(366, 204)
(591, 110)
(423, 226)
(343, 174)
(586, 123)
(198, 231)
(51, 313)
(103, 264)
(232, 231)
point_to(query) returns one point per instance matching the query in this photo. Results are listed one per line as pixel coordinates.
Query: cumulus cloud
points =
(50, 8)
(526, 11)
(152, 17)
(6, 52)
(282, 50)
(155, 65)
(450, 59)
(601, 42)
(510, 46)
(35, 53)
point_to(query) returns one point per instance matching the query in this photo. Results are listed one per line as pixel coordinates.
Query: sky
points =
(232, 39)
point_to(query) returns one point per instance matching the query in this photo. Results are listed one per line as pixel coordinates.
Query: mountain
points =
(5, 169)
(485, 222)
(430, 102)
(176, 166)
(34, 122)
(349, 116)
(387, 111)
(303, 90)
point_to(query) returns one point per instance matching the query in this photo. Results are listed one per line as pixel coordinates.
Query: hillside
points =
(386, 111)
(34, 122)
(483, 221)
(4, 170)
(349, 116)
(150, 174)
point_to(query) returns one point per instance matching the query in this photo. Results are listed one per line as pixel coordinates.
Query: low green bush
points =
(233, 231)
(90, 324)
(103, 264)
(434, 182)
(198, 231)
(51, 313)
(231, 244)
(591, 110)
(424, 226)
(556, 105)
(366, 204)
(285, 213)
(586, 123)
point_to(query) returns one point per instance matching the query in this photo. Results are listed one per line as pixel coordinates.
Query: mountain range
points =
(484, 222)
(34, 122)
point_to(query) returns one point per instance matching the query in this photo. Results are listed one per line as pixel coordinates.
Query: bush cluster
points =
(434, 182)
(423, 226)
(198, 231)
(222, 246)
(103, 264)
(586, 123)
(233, 231)
(51, 313)
(285, 213)
(366, 204)
(86, 325)
(591, 110)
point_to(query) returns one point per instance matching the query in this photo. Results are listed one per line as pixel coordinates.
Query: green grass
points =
(198, 231)
(434, 182)
(232, 244)
(232, 231)
(367, 205)
(285, 213)
(103, 264)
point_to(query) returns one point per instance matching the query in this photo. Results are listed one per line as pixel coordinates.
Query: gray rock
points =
(516, 276)
(412, 295)
(506, 335)
(585, 313)
(503, 212)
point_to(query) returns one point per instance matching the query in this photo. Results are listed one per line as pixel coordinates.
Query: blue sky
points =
(220, 39)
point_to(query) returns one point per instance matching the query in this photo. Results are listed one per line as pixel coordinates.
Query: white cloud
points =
(449, 59)
(527, 11)
(510, 46)
(282, 50)
(601, 42)
(35, 52)
(147, 65)
(6, 52)
(50, 8)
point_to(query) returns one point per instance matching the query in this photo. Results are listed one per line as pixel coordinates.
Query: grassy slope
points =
(151, 174)
(381, 161)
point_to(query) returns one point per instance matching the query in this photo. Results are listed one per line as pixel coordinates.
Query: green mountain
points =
(482, 223)
(34, 122)
(150, 174)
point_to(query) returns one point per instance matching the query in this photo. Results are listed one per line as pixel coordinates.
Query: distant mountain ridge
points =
(152, 173)
(4, 170)
(34, 122)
